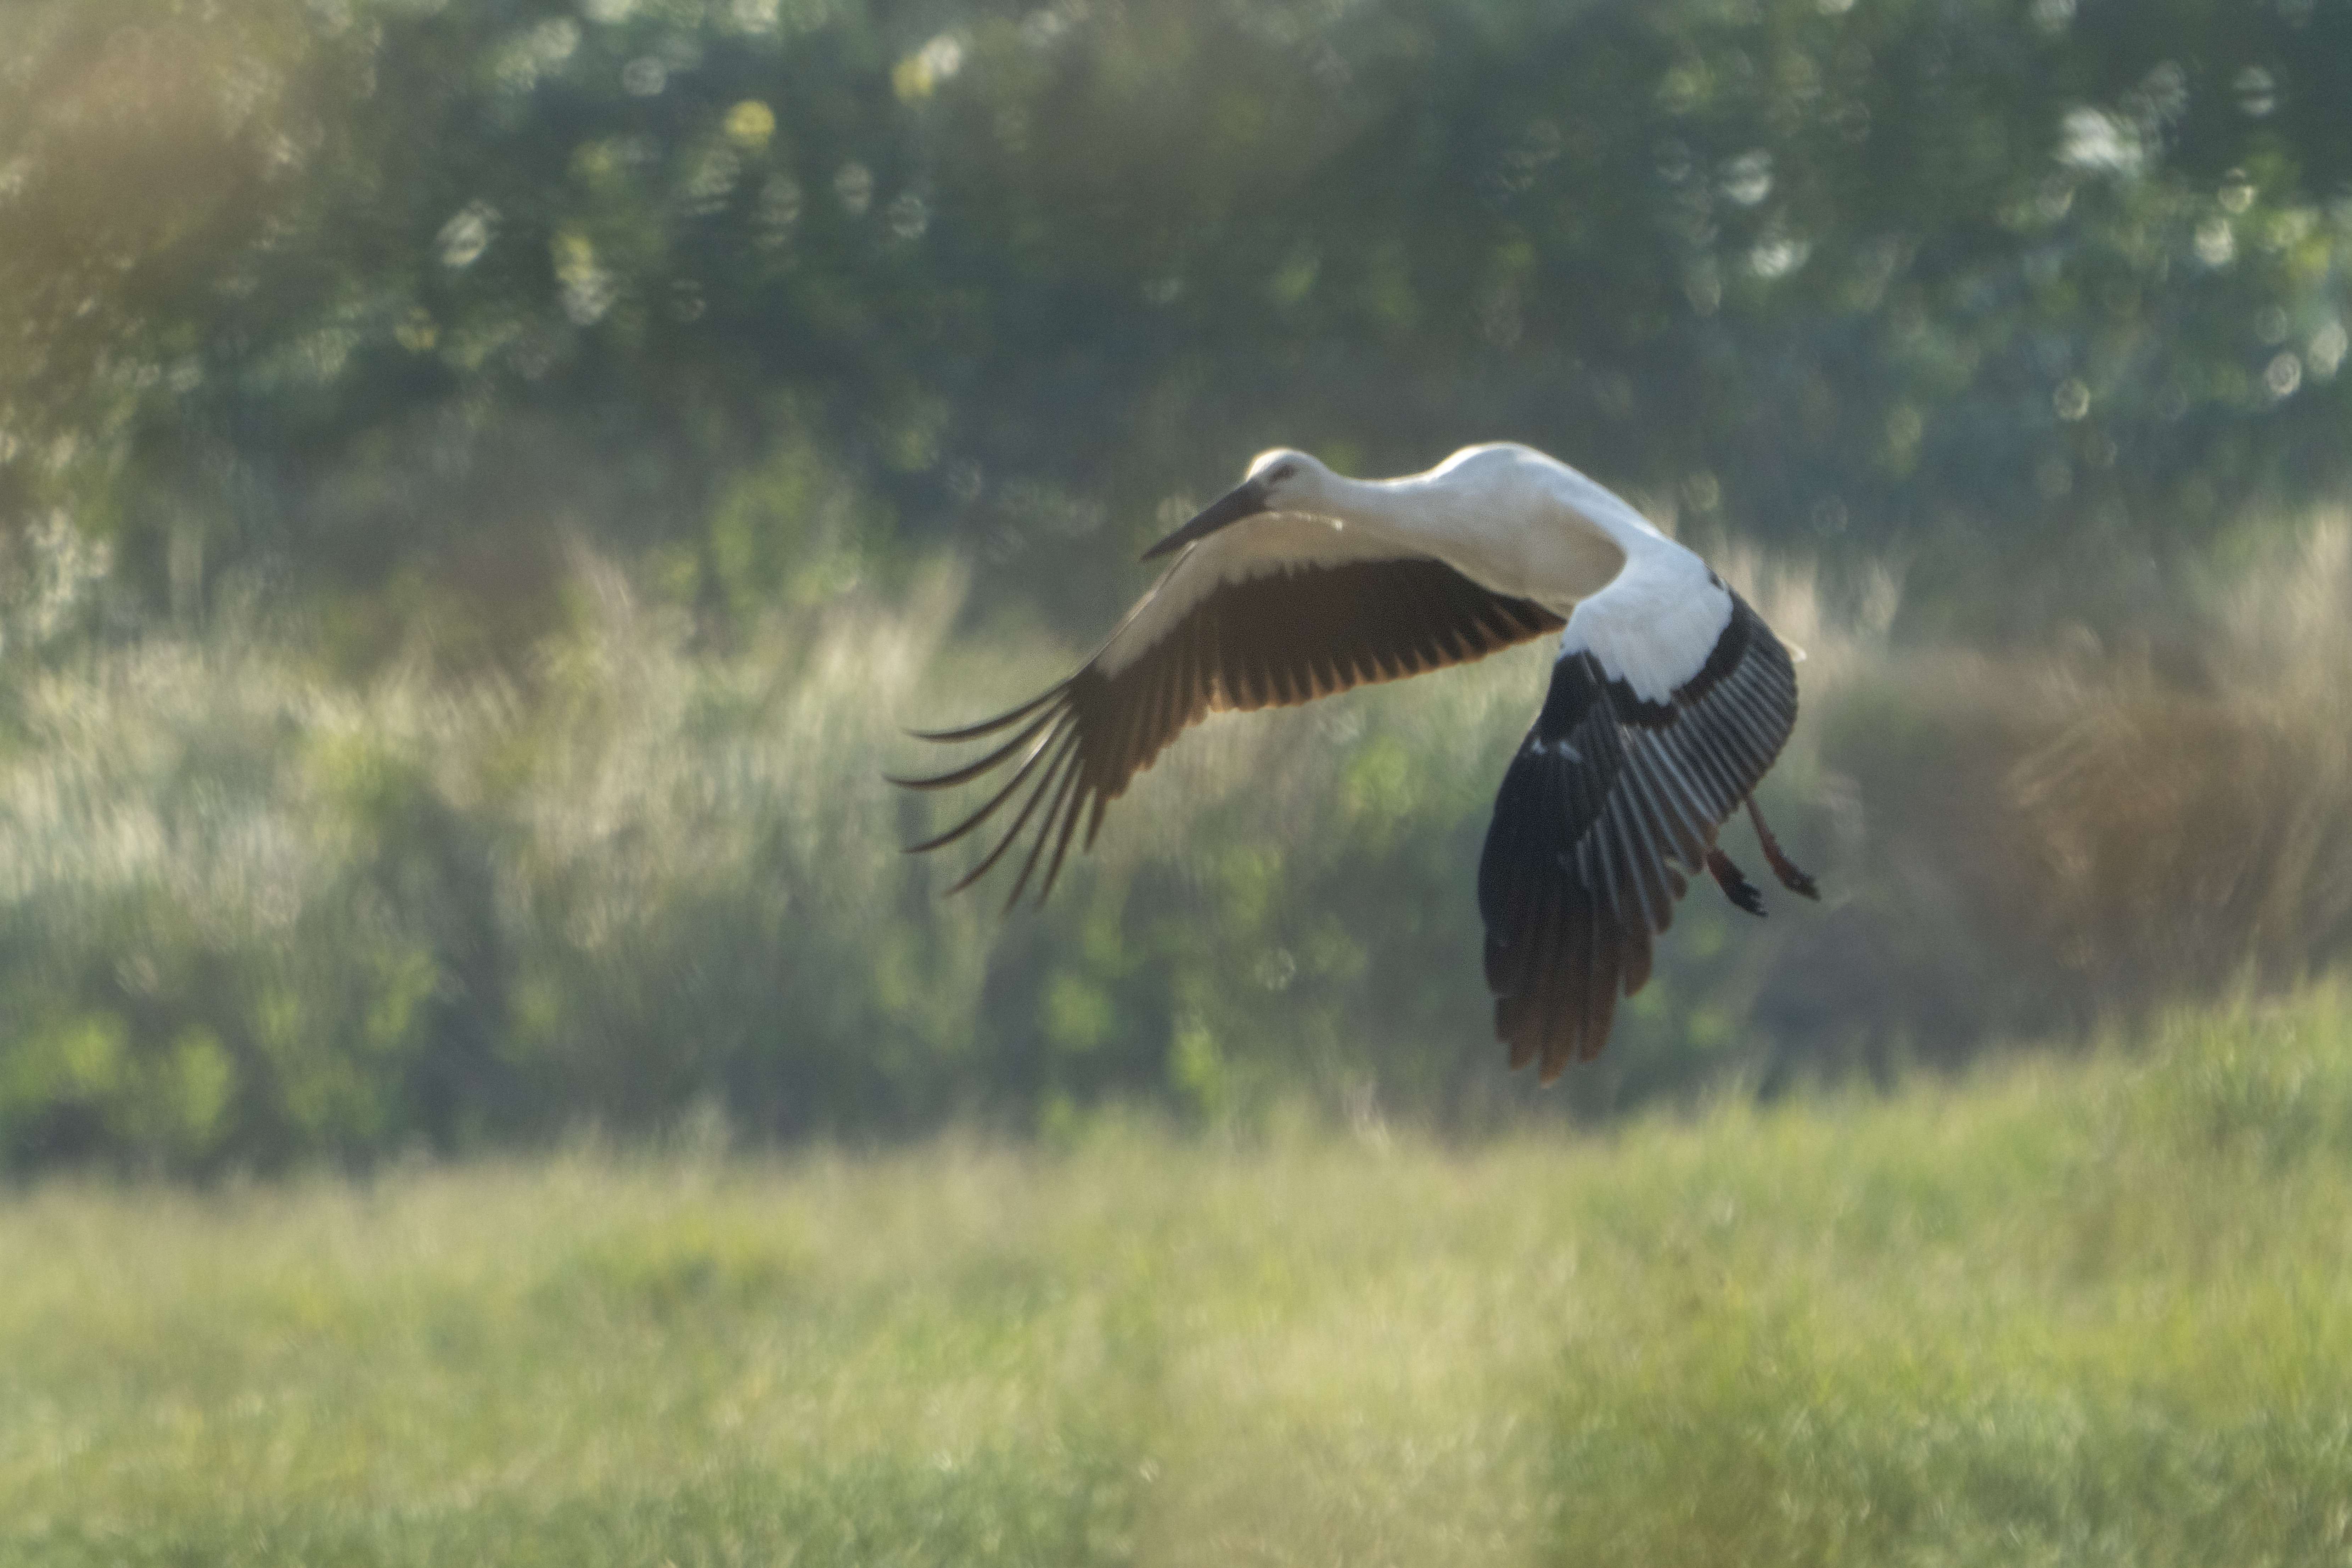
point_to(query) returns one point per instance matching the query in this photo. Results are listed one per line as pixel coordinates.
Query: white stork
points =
(1669, 699)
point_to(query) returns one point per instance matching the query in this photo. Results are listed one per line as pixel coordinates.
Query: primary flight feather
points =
(1669, 699)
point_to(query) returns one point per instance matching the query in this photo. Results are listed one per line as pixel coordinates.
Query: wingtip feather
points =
(990, 726)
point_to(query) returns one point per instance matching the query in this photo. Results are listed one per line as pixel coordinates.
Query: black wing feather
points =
(1610, 805)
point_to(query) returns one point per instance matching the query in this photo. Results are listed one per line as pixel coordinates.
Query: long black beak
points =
(1247, 499)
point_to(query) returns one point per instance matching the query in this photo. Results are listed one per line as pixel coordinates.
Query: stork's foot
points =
(1792, 878)
(1737, 888)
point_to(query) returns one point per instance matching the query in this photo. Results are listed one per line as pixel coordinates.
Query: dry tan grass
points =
(2187, 831)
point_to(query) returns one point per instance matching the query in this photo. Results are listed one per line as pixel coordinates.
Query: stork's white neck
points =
(1378, 507)
(1507, 516)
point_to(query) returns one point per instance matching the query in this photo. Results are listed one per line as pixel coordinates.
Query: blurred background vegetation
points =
(482, 483)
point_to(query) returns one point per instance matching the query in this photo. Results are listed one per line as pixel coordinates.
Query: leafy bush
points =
(242, 917)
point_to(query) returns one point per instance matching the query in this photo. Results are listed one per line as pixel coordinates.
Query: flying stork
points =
(1669, 699)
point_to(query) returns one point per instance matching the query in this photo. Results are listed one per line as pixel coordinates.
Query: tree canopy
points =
(784, 292)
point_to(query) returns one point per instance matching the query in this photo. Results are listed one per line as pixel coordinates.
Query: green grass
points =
(2063, 1313)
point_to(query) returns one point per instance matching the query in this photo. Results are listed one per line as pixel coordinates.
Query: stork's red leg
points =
(1795, 881)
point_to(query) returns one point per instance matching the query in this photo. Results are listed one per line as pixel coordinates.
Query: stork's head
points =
(1290, 482)
(1279, 480)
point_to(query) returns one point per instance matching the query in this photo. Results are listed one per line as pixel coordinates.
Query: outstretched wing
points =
(1657, 725)
(1277, 610)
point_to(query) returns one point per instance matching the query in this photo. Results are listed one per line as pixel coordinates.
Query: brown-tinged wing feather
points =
(1255, 634)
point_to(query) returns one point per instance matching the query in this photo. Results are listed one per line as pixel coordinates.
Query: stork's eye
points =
(1283, 471)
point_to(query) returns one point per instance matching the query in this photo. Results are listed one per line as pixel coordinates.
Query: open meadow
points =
(2084, 1311)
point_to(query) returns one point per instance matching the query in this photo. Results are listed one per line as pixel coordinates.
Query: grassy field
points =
(2095, 1312)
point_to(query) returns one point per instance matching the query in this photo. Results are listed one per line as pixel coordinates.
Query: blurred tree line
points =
(349, 329)
(387, 297)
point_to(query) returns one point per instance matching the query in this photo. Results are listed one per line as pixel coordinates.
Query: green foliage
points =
(238, 925)
(2088, 1312)
(793, 531)
(380, 286)
(248, 920)
(2268, 1085)
(706, 890)
(473, 479)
